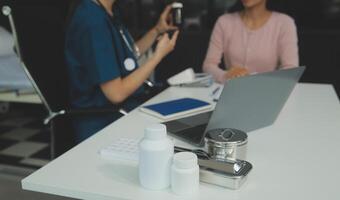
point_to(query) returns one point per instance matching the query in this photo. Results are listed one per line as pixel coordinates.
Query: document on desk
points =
(188, 78)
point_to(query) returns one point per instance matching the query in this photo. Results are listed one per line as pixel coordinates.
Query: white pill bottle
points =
(156, 151)
(185, 174)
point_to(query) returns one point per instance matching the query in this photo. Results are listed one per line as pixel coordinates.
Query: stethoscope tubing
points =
(134, 51)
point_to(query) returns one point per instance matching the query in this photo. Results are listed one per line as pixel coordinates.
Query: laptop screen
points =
(247, 103)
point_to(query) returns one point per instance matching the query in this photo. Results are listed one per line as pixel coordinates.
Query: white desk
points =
(296, 158)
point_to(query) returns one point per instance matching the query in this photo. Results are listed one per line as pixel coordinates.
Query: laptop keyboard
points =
(189, 129)
(193, 135)
(175, 126)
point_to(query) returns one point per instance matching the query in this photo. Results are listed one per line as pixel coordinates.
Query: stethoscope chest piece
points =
(129, 64)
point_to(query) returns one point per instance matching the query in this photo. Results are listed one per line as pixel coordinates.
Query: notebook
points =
(176, 108)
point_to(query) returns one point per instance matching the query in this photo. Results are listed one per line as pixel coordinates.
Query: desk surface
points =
(296, 158)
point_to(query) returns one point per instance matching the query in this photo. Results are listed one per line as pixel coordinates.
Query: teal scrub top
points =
(95, 52)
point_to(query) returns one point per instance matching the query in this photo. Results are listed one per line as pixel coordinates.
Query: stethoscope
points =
(129, 62)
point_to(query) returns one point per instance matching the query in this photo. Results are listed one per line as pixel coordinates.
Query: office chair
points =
(39, 37)
(38, 30)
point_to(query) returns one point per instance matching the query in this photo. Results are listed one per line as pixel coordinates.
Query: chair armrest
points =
(151, 91)
(84, 112)
(91, 111)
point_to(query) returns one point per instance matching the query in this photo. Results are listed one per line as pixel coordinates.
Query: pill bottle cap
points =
(155, 132)
(177, 5)
(185, 160)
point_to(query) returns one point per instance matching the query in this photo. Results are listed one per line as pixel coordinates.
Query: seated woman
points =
(102, 61)
(254, 40)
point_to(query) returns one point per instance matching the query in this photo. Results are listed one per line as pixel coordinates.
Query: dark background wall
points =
(318, 24)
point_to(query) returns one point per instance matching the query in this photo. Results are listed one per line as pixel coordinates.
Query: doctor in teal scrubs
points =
(102, 61)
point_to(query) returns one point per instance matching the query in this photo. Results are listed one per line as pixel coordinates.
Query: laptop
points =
(247, 103)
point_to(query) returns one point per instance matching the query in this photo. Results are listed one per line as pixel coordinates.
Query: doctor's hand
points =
(235, 72)
(165, 45)
(164, 23)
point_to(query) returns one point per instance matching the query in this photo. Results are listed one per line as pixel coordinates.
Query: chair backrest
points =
(39, 26)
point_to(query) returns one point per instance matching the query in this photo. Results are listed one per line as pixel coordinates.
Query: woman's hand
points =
(166, 45)
(235, 72)
(164, 23)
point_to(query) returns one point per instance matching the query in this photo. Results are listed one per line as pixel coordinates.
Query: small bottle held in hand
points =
(177, 14)
(155, 157)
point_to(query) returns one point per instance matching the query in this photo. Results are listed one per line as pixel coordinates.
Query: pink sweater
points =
(273, 46)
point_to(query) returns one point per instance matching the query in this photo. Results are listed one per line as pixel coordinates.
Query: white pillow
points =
(6, 42)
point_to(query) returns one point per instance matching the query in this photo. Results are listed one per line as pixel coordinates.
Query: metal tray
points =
(226, 173)
(232, 180)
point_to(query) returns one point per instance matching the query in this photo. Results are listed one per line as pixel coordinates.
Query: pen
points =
(215, 91)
